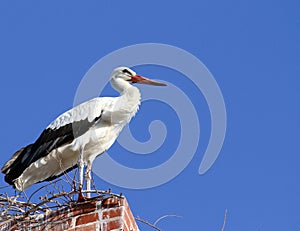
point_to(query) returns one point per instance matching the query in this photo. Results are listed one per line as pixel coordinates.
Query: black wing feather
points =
(49, 140)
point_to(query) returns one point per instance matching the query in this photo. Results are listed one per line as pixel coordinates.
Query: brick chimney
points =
(112, 213)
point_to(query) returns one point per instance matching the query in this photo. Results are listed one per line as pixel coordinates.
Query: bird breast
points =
(114, 117)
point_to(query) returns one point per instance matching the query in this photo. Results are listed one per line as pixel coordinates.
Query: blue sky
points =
(252, 49)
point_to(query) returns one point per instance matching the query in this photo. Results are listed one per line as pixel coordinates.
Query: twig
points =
(224, 222)
(148, 223)
(40, 188)
(13, 209)
(2, 187)
(165, 216)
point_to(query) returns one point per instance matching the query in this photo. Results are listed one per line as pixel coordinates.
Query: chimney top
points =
(112, 213)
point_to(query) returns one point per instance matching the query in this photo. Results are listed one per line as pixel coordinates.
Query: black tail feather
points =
(13, 168)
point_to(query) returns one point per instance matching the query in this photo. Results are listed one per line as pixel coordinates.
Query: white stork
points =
(77, 136)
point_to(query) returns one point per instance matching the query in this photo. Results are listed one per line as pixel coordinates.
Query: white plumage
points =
(77, 136)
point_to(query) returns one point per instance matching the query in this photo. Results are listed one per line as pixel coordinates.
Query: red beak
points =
(142, 80)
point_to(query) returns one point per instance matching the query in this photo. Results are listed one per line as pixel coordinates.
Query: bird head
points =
(130, 76)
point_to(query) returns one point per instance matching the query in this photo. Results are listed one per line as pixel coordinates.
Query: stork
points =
(78, 136)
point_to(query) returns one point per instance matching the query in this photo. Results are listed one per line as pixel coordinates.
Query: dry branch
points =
(20, 208)
(224, 221)
(148, 223)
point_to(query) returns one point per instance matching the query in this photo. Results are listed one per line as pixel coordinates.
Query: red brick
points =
(116, 224)
(128, 217)
(88, 218)
(82, 208)
(130, 222)
(112, 212)
(112, 202)
(115, 214)
(57, 227)
(57, 216)
(92, 227)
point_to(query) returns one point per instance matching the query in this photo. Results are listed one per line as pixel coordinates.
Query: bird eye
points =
(126, 71)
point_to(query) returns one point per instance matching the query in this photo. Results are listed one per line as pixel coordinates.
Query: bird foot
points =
(81, 197)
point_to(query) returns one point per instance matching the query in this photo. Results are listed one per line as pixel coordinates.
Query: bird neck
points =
(130, 99)
(119, 84)
(130, 96)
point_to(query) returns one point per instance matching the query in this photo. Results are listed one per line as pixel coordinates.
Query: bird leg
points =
(80, 171)
(87, 177)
